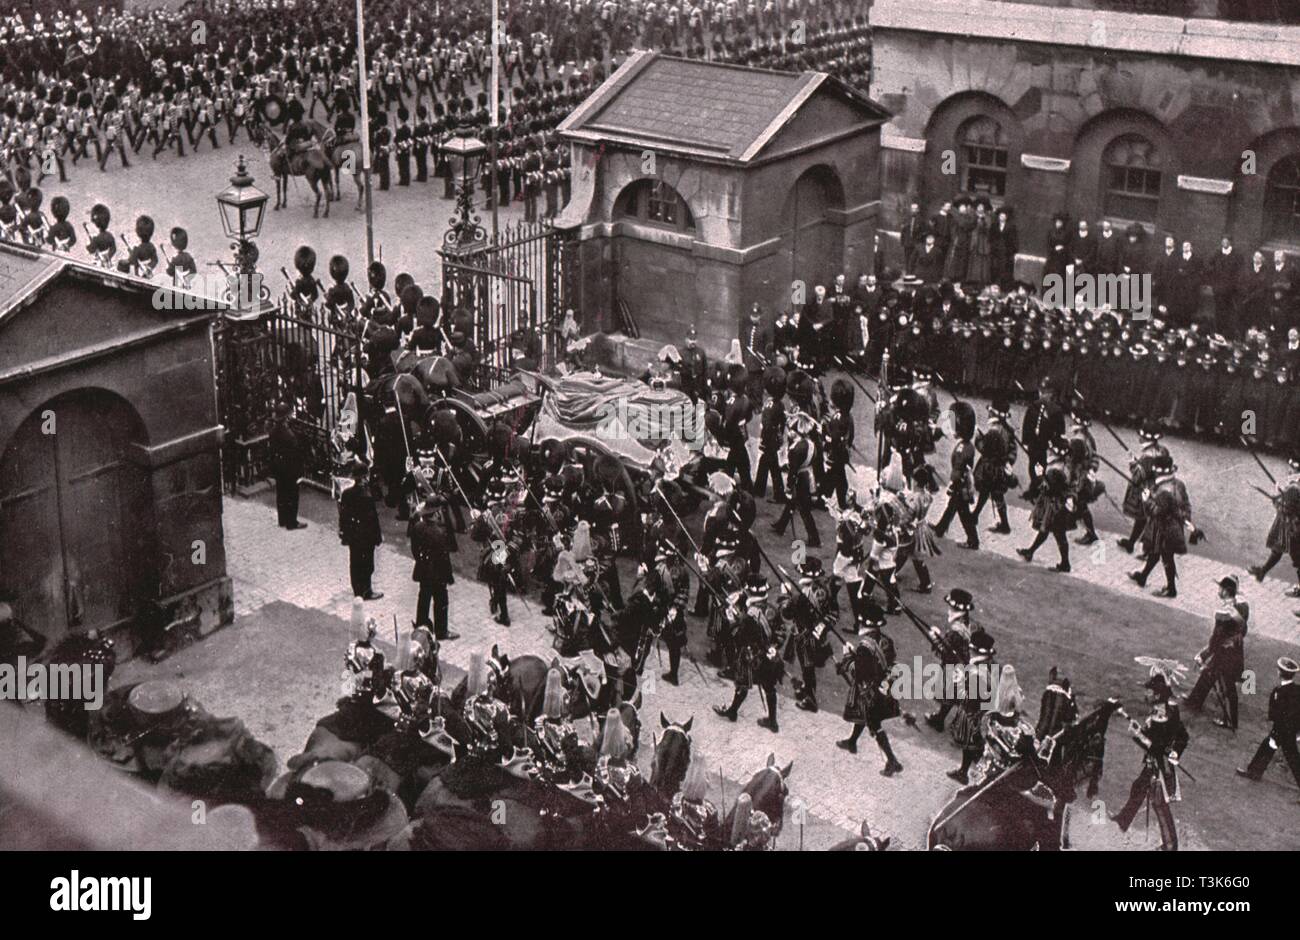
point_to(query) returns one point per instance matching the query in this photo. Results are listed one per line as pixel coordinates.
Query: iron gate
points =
(277, 358)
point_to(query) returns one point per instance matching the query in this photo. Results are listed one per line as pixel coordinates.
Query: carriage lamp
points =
(466, 233)
(242, 206)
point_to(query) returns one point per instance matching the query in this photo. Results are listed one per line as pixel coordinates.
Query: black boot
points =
(892, 765)
(733, 710)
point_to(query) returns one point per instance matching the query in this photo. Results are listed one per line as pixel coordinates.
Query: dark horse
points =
(313, 165)
(672, 756)
(767, 791)
(1027, 805)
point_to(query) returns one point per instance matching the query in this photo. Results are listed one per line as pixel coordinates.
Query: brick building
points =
(1184, 116)
(699, 188)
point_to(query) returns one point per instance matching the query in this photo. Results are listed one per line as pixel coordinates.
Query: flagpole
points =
(365, 131)
(493, 188)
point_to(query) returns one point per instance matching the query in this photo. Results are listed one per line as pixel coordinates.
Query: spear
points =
(1272, 479)
(682, 525)
(1109, 430)
(852, 379)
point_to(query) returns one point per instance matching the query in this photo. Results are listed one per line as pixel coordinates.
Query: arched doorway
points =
(816, 241)
(76, 515)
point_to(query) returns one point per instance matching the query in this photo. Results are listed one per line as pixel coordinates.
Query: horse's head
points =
(672, 756)
(767, 790)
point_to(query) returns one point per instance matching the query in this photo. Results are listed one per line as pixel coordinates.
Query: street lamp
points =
(466, 234)
(242, 206)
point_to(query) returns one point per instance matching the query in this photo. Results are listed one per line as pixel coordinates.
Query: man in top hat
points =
(288, 463)
(1044, 423)
(1222, 661)
(359, 531)
(1162, 738)
(868, 667)
(432, 543)
(1284, 535)
(1284, 713)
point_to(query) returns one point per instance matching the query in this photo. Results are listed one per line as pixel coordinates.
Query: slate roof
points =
(710, 109)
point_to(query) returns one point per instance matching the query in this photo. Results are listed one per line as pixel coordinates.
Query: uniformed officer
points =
(1284, 713)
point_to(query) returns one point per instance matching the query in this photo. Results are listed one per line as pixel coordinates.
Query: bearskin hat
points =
(304, 260)
(963, 419)
(713, 422)
(446, 429)
(842, 394)
(377, 275)
(737, 378)
(339, 269)
(144, 228)
(608, 470)
(426, 311)
(401, 281)
(411, 295)
(1078, 450)
(31, 199)
(60, 207)
(501, 441)
(293, 110)
(179, 238)
(774, 381)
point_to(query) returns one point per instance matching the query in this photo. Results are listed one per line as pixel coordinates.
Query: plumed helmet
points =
(963, 419)
(60, 207)
(304, 260)
(179, 238)
(411, 295)
(377, 275)
(339, 269)
(100, 215)
(842, 394)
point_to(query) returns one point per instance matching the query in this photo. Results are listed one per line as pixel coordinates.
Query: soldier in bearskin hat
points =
(772, 422)
(960, 489)
(868, 667)
(837, 445)
(802, 452)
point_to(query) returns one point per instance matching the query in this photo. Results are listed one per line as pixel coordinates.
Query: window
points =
(656, 202)
(1131, 165)
(1282, 201)
(984, 157)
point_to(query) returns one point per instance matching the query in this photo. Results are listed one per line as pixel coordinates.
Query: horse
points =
(767, 791)
(313, 165)
(672, 756)
(1026, 806)
(344, 154)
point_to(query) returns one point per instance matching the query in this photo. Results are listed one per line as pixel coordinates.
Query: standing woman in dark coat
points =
(979, 266)
(1004, 243)
(359, 531)
(963, 226)
(1058, 248)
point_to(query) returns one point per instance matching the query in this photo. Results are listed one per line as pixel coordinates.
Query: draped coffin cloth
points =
(629, 418)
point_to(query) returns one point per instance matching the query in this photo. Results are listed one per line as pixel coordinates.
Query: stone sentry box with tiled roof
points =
(778, 173)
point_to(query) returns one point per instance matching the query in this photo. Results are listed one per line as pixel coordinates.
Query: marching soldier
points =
(1083, 473)
(966, 727)
(1284, 534)
(869, 667)
(751, 646)
(1141, 474)
(1284, 713)
(960, 492)
(770, 435)
(1222, 661)
(403, 141)
(1163, 739)
(1053, 513)
(953, 645)
(1168, 515)
(673, 574)
(997, 454)
(1044, 423)
(801, 480)
(838, 441)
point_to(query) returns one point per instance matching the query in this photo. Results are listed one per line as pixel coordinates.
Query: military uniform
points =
(868, 668)
(1163, 739)
(1284, 713)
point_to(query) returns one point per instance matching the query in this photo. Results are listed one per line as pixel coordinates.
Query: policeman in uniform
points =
(287, 462)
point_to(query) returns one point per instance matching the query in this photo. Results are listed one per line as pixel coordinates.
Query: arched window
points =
(1131, 181)
(1282, 201)
(657, 203)
(984, 157)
